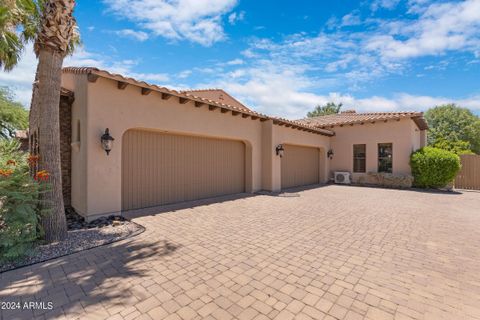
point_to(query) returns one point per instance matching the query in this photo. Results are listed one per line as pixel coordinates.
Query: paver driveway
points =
(331, 253)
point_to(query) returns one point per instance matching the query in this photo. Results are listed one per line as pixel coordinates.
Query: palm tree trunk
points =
(47, 104)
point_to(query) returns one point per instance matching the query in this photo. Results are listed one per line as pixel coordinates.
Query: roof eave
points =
(94, 73)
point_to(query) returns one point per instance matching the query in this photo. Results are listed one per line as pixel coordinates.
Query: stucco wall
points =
(403, 134)
(284, 135)
(78, 84)
(96, 177)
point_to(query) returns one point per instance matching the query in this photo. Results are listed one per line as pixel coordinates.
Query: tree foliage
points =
(433, 167)
(13, 115)
(20, 22)
(323, 110)
(453, 128)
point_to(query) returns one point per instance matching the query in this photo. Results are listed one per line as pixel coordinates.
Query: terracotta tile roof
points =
(216, 94)
(351, 117)
(94, 73)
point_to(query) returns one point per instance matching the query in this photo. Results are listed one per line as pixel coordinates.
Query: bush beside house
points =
(19, 194)
(433, 167)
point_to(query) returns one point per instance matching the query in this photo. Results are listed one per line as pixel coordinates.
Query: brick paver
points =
(329, 253)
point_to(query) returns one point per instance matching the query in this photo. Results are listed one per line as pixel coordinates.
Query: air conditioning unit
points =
(342, 177)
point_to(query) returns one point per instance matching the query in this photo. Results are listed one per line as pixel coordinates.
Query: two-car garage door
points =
(160, 168)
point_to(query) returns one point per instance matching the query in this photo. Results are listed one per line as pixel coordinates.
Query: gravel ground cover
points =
(81, 236)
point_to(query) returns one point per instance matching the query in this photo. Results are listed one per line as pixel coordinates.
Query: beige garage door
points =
(159, 168)
(300, 166)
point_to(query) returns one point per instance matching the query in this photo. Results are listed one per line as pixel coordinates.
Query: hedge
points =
(433, 167)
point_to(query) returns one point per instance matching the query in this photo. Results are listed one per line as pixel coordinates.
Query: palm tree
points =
(52, 44)
(52, 25)
(15, 14)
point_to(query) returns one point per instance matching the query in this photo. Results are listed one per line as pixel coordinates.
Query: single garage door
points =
(300, 166)
(160, 168)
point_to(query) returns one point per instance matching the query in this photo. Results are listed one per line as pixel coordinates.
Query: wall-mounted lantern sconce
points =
(330, 154)
(107, 141)
(279, 150)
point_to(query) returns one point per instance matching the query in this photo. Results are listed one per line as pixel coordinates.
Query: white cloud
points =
(286, 90)
(382, 47)
(193, 20)
(129, 33)
(235, 62)
(441, 27)
(351, 19)
(20, 79)
(234, 17)
(184, 74)
(386, 4)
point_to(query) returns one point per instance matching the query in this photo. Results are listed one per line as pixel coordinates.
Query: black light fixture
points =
(330, 154)
(107, 141)
(279, 150)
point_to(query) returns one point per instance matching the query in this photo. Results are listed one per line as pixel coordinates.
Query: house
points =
(173, 146)
(22, 137)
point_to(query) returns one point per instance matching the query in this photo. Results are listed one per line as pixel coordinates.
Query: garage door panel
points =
(161, 168)
(300, 166)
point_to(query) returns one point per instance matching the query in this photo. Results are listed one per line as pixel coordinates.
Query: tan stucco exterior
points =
(96, 177)
(100, 104)
(403, 134)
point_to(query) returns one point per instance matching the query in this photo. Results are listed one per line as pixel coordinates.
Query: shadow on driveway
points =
(79, 283)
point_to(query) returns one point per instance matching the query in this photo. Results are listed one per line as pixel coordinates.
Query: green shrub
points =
(433, 167)
(19, 192)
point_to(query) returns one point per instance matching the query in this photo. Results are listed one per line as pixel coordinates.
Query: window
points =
(385, 155)
(359, 157)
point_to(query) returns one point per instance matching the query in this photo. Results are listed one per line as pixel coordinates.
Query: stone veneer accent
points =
(66, 100)
(65, 148)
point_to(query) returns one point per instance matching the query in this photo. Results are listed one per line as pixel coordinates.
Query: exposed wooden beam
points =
(121, 85)
(276, 122)
(254, 118)
(244, 115)
(166, 96)
(224, 110)
(263, 119)
(398, 119)
(235, 113)
(146, 91)
(198, 104)
(351, 124)
(385, 120)
(182, 100)
(92, 77)
(362, 123)
(372, 122)
(288, 125)
(212, 107)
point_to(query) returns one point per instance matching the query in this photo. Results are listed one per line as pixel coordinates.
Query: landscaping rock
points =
(77, 222)
(81, 236)
(388, 180)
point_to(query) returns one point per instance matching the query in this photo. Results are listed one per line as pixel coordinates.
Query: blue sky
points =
(284, 57)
